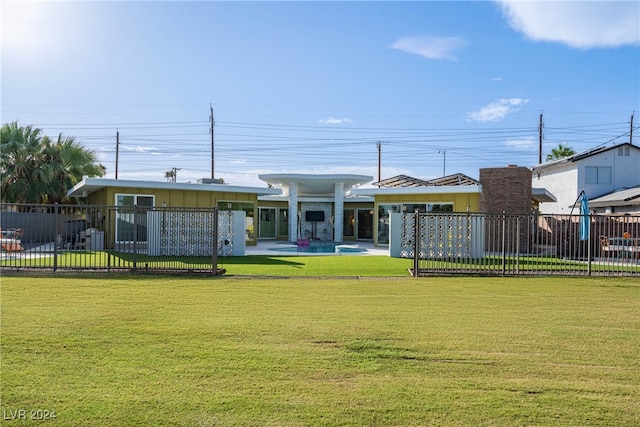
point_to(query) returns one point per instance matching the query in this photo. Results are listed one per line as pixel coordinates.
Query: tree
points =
(33, 169)
(170, 175)
(560, 152)
(69, 162)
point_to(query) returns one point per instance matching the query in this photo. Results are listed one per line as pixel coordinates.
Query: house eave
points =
(91, 185)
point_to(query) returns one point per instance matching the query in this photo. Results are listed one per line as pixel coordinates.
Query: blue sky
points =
(313, 87)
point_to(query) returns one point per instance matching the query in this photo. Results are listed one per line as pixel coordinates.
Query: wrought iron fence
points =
(508, 245)
(131, 238)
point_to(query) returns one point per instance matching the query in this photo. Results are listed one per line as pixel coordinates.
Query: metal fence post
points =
(589, 247)
(504, 239)
(135, 238)
(518, 244)
(215, 240)
(416, 243)
(107, 240)
(55, 237)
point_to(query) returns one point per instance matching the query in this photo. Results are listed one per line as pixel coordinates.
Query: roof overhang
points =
(347, 199)
(542, 195)
(315, 185)
(399, 191)
(621, 197)
(91, 185)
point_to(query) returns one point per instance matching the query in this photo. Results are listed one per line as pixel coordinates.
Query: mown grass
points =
(222, 351)
(253, 265)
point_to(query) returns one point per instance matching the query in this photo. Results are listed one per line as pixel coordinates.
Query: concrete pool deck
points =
(264, 248)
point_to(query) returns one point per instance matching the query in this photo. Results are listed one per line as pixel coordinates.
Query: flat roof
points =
(314, 184)
(91, 185)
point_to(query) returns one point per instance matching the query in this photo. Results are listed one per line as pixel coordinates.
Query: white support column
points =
(338, 218)
(293, 212)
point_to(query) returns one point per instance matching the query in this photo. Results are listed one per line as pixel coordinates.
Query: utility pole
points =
(540, 141)
(444, 162)
(379, 161)
(175, 173)
(631, 129)
(213, 123)
(117, 150)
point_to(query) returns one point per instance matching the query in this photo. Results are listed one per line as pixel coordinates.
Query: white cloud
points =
(497, 110)
(431, 47)
(334, 121)
(579, 24)
(524, 144)
(140, 149)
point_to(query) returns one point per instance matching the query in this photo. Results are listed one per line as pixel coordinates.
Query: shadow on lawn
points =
(200, 260)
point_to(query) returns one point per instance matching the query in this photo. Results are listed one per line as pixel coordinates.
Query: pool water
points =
(318, 248)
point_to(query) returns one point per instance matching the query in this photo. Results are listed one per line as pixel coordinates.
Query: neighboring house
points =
(626, 200)
(597, 172)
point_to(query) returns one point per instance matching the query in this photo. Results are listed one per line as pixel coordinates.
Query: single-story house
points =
(324, 207)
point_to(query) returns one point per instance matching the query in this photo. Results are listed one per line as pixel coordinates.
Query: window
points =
(598, 175)
(624, 151)
(384, 210)
(411, 207)
(440, 207)
(348, 223)
(129, 226)
(283, 229)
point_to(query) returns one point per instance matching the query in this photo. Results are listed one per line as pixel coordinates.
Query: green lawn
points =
(135, 351)
(315, 266)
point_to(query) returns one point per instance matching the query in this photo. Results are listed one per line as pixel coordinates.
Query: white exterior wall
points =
(293, 212)
(625, 172)
(563, 184)
(339, 212)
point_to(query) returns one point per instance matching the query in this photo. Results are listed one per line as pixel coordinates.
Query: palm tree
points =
(560, 152)
(170, 175)
(35, 170)
(69, 162)
(22, 164)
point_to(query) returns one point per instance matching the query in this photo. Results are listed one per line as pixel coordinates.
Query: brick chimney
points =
(505, 190)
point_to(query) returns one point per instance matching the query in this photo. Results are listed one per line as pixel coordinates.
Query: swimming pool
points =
(320, 248)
